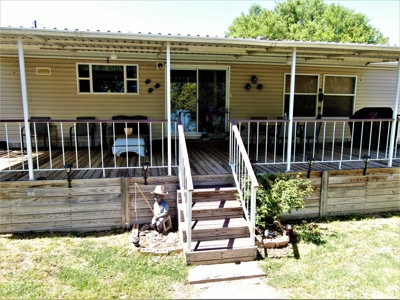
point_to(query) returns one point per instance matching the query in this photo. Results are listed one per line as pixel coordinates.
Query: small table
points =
(129, 145)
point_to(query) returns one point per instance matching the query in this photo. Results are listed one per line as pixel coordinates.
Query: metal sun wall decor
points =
(150, 90)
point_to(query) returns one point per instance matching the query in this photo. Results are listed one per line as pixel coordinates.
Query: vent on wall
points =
(43, 71)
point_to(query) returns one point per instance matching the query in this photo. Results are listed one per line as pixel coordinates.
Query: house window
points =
(117, 79)
(305, 95)
(339, 95)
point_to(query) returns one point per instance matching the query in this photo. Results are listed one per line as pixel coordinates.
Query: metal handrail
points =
(186, 183)
(244, 176)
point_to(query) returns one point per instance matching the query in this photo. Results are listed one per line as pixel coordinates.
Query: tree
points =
(310, 20)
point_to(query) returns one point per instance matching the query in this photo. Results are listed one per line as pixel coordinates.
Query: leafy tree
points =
(310, 20)
(184, 96)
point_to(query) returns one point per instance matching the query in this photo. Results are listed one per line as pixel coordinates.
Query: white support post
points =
(291, 103)
(168, 77)
(395, 112)
(253, 213)
(25, 107)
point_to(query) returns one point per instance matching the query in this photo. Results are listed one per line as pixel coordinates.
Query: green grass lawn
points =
(349, 257)
(354, 257)
(96, 265)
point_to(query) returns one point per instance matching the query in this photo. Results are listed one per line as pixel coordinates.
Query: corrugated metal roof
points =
(96, 44)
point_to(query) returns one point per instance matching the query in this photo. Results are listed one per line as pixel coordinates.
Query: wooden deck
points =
(206, 158)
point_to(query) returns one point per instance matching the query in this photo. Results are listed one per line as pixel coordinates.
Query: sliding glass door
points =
(198, 99)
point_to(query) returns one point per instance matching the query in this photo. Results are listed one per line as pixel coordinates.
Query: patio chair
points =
(312, 132)
(82, 130)
(119, 127)
(41, 131)
(143, 127)
(262, 129)
(283, 131)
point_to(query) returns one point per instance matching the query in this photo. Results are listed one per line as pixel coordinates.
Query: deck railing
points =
(325, 140)
(49, 138)
(185, 183)
(244, 177)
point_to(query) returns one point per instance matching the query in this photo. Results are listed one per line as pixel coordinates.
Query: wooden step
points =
(213, 194)
(212, 210)
(221, 251)
(214, 180)
(208, 230)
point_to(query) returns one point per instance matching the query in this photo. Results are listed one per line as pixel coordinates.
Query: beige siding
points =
(56, 95)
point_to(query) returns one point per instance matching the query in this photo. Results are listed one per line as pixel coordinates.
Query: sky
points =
(175, 17)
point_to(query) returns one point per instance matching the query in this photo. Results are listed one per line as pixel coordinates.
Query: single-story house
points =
(272, 105)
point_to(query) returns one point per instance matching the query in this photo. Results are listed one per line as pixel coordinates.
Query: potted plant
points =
(279, 193)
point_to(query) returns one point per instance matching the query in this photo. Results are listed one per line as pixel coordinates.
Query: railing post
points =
(168, 78)
(253, 213)
(395, 112)
(125, 204)
(189, 221)
(25, 108)
(324, 193)
(291, 103)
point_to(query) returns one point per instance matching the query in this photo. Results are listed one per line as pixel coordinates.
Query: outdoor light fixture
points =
(68, 168)
(248, 87)
(310, 163)
(260, 87)
(113, 56)
(366, 158)
(254, 79)
(160, 66)
(150, 90)
(147, 81)
(253, 163)
(145, 167)
(320, 96)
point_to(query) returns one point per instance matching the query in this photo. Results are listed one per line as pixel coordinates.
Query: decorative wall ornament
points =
(254, 79)
(147, 81)
(157, 85)
(260, 87)
(248, 87)
(150, 90)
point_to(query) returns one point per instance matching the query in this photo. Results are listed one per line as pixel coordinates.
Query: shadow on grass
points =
(72, 234)
(313, 231)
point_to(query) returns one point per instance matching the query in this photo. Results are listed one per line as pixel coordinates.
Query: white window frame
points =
(90, 79)
(329, 94)
(288, 93)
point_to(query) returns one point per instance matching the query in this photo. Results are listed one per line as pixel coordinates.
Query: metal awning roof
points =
(129, 46)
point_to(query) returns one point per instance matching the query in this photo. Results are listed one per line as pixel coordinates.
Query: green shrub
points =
(279, 193)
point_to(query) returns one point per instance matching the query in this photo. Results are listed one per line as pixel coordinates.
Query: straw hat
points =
(159, 190)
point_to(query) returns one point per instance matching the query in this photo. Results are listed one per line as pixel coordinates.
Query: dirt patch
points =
(254, 288)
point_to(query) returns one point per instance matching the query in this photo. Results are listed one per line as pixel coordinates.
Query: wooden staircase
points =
(220, 234)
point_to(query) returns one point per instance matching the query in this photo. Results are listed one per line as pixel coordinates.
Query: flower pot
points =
(276, 242)
(128, 131)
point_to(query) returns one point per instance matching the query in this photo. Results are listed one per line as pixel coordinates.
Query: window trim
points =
(316, 93)
(332, 94)
(90, 78)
